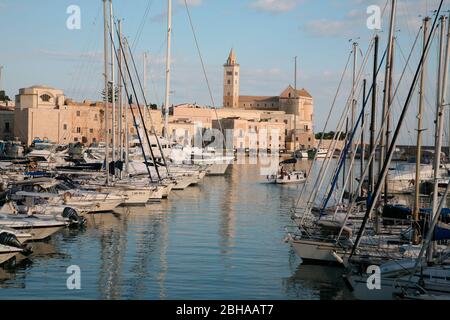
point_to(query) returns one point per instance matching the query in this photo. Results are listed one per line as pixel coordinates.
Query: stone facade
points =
(231, 78)
(45, 113)
(296, 106)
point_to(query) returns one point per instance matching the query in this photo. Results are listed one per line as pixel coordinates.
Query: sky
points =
(38, 48)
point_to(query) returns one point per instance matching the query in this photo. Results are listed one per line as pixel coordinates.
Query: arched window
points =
(45, 97)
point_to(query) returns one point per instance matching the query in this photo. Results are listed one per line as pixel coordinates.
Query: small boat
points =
(39, 227)
(288, 177)
(287, 173)
(320, 153)
(301, 154)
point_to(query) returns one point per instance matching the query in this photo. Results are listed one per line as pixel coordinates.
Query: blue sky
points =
(37, 48)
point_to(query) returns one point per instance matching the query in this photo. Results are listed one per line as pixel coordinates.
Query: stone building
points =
(45, 113)
(296, 107)
(6, 122)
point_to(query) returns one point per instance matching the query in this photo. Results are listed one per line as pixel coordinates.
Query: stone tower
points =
(231, 82)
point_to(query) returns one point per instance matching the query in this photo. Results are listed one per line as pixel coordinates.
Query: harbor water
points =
(222, 239)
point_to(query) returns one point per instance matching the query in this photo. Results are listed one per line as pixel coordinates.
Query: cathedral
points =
(298, 103)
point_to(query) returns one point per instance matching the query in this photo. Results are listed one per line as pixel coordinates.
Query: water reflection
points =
(317, 282)
(222, 239)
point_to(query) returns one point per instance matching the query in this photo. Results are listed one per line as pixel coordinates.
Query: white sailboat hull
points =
(318, 252)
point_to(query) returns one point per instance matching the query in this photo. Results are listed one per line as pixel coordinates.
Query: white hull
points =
(217, 169)
(95, 207)
(161, 192)
(318, 252)
(435, 281)
(40, 233)
(7, 253)
(184, 182)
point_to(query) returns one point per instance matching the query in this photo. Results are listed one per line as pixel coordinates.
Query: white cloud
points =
(275, 6)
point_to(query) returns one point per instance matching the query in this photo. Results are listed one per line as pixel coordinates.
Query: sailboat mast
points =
(440, 112)
(113, 85)
(168, 58)
(387, 93)
(353, 115)
(373, 116)
(145, 82)
(106, 94)
(419, 133)
(120, 93)
(362, 146)
(124, 44)
(296, 102)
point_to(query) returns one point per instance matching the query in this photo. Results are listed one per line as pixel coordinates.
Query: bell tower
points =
(231, 82)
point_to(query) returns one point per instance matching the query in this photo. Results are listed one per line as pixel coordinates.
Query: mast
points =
(145, 82)
(296, 102)
(121, 135)
(373, 116)
(106, 95)
(419, 134)
(167, 98)
(1, 69)
(353, 115)
(385, 165)
(387, 93)
(362, 148)
(127, 130)
(440, 112)
(113, 85)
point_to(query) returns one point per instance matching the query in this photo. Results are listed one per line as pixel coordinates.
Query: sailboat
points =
(428, 275)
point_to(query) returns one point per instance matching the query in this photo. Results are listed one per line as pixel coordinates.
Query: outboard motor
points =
(73, 216)
(10, 239)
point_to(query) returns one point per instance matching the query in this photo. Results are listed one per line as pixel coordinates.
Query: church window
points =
(78, 113)
(229, 73)
(289, 95)
(229, 81)
(236, 74)
(78, 130)
(91, 130)
(229, 94)
(64, 126)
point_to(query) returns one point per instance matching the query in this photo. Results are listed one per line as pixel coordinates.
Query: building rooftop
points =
(258, 98)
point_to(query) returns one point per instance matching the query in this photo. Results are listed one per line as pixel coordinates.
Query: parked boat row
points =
(390, 249)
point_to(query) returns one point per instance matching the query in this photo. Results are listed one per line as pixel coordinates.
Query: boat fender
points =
(337, 257)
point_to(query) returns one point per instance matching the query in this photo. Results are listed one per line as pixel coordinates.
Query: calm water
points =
(222, 239)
